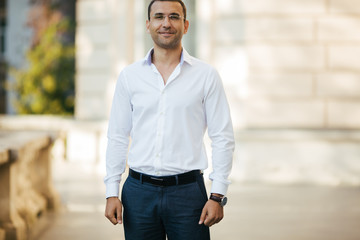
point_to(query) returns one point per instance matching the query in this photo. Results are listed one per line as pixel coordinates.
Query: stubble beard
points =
(172, 44)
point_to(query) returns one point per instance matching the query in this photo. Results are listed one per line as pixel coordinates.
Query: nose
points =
(166, 21)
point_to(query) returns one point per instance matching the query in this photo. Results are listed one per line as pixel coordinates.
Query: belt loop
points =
(141, 178)
(177, 179)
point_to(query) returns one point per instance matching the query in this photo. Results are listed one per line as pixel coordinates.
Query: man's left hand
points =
(212, 213)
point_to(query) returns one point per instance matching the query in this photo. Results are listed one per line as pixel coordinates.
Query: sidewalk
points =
(254, 212)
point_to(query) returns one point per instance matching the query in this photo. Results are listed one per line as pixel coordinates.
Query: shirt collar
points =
(185, 57)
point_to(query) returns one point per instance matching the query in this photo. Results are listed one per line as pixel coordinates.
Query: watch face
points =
(224, 201)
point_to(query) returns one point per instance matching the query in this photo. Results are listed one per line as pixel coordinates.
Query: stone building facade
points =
(290, 69)
(285, 64)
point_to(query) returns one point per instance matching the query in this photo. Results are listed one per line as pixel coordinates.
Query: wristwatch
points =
(221, 200)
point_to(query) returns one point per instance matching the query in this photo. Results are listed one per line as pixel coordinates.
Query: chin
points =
(171, 45)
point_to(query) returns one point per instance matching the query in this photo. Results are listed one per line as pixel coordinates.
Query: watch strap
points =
(215, 198)
(221, 200)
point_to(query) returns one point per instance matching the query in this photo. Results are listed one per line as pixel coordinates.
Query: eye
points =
(159, 17)
(174, 17)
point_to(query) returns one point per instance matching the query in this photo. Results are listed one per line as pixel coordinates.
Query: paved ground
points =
(254, 212)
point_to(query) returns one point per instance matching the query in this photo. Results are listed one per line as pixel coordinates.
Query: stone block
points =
(264, 29)
(338, 84)
(284, 114)
(344, 114)
(344, 6)
(95, 90)
(90, 57)
(292, 57)
(344, 57)
(270, 57)
(92, 83)
(81, 146)
(232, 64)
(338, 28)
(236, 110)
(225, 7)
(94, 10)
(280, 84)
(96, 33)
(91, 107)
(306, 159)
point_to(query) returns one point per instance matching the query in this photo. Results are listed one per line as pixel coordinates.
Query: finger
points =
(214, 220)
(220, 218)
(209, 221)
(217, 219)
(111, 218)
(203, 216)
(119, 215)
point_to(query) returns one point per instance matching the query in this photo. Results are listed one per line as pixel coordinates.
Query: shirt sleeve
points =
(120, 124)
(221, 133)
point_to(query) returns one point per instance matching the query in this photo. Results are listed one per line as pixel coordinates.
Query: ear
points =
(186, 26)
(147, 26)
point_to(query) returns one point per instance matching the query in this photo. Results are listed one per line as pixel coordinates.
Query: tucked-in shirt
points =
(167, 123)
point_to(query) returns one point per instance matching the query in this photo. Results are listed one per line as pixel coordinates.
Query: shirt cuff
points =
(112, 190)
(219, 187)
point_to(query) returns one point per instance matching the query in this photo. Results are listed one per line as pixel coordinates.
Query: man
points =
(165, 103)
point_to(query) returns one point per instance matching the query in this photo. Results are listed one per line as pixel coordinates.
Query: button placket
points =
(159, 131)
(161, 116)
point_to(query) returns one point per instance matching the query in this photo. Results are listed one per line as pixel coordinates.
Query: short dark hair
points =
(179, 1)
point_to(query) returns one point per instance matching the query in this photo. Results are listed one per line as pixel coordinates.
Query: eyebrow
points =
(160, 14)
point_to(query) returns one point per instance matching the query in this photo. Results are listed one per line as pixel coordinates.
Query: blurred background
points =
(291, 71)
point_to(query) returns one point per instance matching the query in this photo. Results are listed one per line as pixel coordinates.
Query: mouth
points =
(166, 34)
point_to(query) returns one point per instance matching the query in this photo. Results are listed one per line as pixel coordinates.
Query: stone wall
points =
(330, 158)
(26, 190)
(292, 76)
(290, 64)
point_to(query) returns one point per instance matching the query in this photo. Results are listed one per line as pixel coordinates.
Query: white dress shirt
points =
(167, 122)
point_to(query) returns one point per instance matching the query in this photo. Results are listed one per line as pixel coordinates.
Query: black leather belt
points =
(180, 179)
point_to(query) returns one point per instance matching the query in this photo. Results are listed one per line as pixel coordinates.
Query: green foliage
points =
(47, 85)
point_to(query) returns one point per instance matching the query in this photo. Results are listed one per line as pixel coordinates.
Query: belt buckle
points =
(157, 179)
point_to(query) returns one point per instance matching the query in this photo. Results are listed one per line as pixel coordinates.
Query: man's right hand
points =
(113, 210)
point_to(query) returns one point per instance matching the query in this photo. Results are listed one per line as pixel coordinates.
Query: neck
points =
(166, 56)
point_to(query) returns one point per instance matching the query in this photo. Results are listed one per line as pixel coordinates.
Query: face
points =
(166, 25)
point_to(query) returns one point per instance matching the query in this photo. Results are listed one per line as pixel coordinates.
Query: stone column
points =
(104, 45)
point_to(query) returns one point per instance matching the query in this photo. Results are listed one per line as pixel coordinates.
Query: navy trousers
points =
(154, 212)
